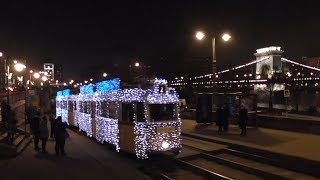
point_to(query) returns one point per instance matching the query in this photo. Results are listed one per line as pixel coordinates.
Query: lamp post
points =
(135, 71)
(19, 67)
(225, 37)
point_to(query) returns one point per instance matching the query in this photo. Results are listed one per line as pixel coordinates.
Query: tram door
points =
(126, 127)
(204, 108)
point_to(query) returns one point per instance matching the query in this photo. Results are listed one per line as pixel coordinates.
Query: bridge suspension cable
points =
(299, 64)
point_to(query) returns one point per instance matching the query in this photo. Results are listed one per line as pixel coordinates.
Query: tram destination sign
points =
(162, 89)
(165, 129)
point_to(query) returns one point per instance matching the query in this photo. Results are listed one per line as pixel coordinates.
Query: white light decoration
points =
(147, 139)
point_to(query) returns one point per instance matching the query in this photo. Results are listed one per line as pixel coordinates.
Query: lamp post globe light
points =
(225, 37)
(36, 75)
(19, 67)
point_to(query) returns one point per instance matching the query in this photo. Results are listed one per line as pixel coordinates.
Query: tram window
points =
(127, 112)
(113, 110)
(85, 107)
(104, 109)
(70, 106)
(74, 105)
(64, 104)
(140, 112)
(162, 112)
(92, 108)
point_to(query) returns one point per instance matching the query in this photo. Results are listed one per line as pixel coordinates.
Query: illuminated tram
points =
(133, 120)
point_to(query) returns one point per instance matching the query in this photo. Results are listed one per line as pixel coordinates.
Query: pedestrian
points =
(4, 115)
(35, 129)
(60, 135)
(44, 133)
(226, 113)
(52, 123)
(30, 112)
(219, 117)
(243, 120)
(10, 122)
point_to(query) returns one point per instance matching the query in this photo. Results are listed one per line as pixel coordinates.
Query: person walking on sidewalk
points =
(35, 129)
(52, 124)
(60, 134)
(243, 120)
(44, 133)
(226, 117)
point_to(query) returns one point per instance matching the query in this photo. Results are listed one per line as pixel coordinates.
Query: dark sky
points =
(86, 34)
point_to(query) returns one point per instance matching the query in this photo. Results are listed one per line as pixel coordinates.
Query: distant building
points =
(49, 68)
(53, 70)
(58, 72)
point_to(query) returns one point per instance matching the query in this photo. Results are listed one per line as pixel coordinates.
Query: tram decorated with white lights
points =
(140, 121)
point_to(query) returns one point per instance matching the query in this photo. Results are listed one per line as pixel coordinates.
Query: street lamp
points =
(104, 74)
(137, 64)
(226, 37)
(36, 75)
(44, 78)
(19, 67)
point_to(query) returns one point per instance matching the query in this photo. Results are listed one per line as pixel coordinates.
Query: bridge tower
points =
(266, 68)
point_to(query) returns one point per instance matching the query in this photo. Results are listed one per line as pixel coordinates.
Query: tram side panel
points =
(71, 105)
(126, 127)
(84, 117)
(107, 129)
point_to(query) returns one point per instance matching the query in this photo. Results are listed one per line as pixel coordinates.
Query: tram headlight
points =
(165, 144)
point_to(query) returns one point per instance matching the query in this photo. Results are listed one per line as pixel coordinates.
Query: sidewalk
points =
(284, 142)
(85, 160)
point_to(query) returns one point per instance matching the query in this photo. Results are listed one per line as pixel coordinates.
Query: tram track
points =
(224, 162)
(236, 163)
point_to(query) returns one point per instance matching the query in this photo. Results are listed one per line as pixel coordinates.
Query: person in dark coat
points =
(219, 118)
(30, 112)
(44, 133)
(226, 113)
(60, 134)
(243, 120)
(4, 114)
(10, 123)
(35, 129)
(52, 122)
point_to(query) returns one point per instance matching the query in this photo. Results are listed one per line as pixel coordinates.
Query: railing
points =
(12, 97)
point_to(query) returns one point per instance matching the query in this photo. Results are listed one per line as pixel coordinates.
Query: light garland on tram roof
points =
(163, 94)
(132, 95)
(59, 93)
(108, 86)
(66, 92)
(86, 89)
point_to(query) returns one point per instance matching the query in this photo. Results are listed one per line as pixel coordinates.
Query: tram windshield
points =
(162, 112)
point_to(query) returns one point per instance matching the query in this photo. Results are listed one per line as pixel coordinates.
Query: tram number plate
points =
(165, 129)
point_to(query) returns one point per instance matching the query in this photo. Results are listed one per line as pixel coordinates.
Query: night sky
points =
(89, 34)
